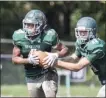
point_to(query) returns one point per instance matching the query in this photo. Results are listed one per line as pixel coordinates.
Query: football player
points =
(90, 50)
(37, 35)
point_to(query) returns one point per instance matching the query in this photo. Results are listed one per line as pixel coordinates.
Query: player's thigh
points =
(34, 88)
(101, 92)
(50, 85)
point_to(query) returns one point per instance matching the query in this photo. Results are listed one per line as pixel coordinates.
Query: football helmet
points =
(34, 22)
(86, 29)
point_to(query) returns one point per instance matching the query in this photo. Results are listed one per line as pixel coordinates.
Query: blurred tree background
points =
(61, 15)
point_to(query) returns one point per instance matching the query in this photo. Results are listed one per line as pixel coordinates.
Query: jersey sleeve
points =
(17, 36)
(51, 38)
(96, 50)
(95, 54)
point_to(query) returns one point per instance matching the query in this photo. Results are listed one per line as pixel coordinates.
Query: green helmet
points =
(38, 19)
(86, 29)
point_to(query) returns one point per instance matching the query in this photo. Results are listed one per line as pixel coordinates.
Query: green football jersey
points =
(95, 52)
(20, 40)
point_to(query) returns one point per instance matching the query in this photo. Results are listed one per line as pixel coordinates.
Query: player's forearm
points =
(19, 60)
(68, 59)
(63, 52)
(68, 66)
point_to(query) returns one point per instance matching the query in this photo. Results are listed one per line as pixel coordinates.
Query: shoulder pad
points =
(95, 45)
(18, 34)
(50, 32)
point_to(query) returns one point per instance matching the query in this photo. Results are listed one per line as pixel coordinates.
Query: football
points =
(41, 56)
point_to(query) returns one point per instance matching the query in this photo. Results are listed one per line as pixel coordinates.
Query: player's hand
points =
(50, 60)
(33, 59)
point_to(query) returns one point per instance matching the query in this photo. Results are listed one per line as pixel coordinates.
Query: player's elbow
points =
(15, 61)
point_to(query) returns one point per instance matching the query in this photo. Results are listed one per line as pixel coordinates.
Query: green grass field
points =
(21, 91)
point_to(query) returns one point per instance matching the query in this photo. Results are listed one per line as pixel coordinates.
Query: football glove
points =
(50, 60)
(33, 59)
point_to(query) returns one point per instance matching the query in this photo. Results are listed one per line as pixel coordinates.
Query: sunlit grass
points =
(14, 90)
(21, 91)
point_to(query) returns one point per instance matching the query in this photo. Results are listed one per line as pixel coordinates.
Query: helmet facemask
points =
(35, 18)
(32, 31)
(84, 34)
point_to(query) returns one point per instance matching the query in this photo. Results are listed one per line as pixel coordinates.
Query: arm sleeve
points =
(95, 54)
(51, 38)
(16, 41)
(16, 44)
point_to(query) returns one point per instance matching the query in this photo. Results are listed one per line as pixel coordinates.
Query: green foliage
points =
(74, 17)
(12, 13)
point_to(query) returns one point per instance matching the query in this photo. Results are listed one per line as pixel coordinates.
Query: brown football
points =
(41, 56)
